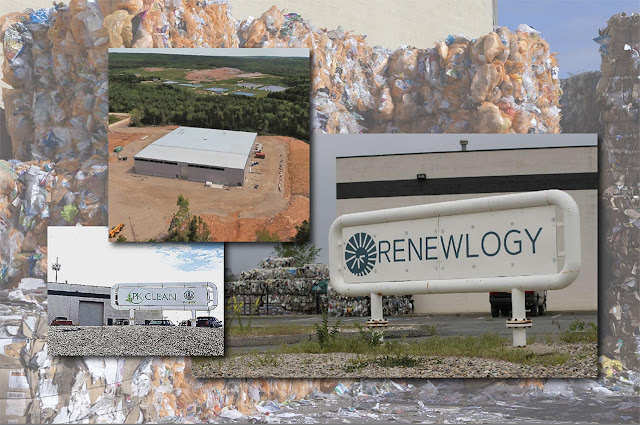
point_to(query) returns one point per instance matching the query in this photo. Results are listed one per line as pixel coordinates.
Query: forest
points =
(282, 66)
(283, 114)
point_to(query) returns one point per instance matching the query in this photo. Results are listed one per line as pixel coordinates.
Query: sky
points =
(569, 26)
(107, 263)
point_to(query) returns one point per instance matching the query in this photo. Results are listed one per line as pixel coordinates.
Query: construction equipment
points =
(115, 230)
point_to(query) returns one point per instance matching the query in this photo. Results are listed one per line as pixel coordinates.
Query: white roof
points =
(203, 146)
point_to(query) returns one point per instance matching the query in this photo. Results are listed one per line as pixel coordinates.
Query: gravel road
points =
(134, 341)
(335, 365)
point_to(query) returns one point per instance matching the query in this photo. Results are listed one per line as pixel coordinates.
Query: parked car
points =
(185, 323)
(208, 322)
(163, 322)
(534, 301)
(61, 321)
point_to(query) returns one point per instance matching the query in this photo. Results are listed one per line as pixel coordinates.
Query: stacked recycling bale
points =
(303, 290)
(361, 306)
(287, 289)
(580, 108)
(34, 195)
(503, 82)
(37, 194)
(23, 324)
(618, 92)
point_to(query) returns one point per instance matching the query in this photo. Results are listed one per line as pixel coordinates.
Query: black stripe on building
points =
(78, 294)
(467, 185)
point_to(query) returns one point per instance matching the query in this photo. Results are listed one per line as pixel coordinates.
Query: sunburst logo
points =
(360, 254)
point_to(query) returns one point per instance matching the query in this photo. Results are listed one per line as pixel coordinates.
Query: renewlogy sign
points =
(473, 245)
(182, 296)
(489, 244)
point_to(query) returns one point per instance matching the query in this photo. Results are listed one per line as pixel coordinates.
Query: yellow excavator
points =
(115, 230)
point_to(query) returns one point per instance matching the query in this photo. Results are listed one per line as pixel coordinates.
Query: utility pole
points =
(56, 266)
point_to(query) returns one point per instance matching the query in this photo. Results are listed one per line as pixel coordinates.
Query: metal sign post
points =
(504, 243)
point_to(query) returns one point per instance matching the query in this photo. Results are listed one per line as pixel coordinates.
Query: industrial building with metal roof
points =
(199, 154)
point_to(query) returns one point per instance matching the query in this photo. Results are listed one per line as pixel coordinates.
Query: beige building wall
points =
(579, 296)
(388, 23)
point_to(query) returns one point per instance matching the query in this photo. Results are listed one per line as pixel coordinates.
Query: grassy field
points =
(236, 331)
(371, 349)
(174, 74)
(177, 74)
(114, 119)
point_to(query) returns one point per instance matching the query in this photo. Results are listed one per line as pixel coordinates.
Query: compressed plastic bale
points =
(452, 53)
(477, 50)
(455, 92)
(273, 19)
(407, 108)
(460, 122)
(19, 122)
(255, 33)
(506, 87)
(87, 27)
(385, 105)
(495, 95)
(486, 78)
(494, 48)
(403, 63)
(489, 119)
(358, 95)
(400, 87)
(133, 7)
(17, 69)
(11, 18)
(120, 30)
(380, 60)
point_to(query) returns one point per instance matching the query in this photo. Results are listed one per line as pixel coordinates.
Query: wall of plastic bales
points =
(55, 63)
(302, 290)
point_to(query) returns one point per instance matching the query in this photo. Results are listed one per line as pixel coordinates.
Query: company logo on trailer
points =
(189, 295)
(360, 254)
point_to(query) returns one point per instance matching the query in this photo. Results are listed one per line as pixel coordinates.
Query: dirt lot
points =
(145, 204)
(218, 74)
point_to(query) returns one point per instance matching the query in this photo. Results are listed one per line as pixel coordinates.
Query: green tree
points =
(301, 250)
(136, 116)
(184, 227)
(198, 230)
(264, 236)
(303, 234)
